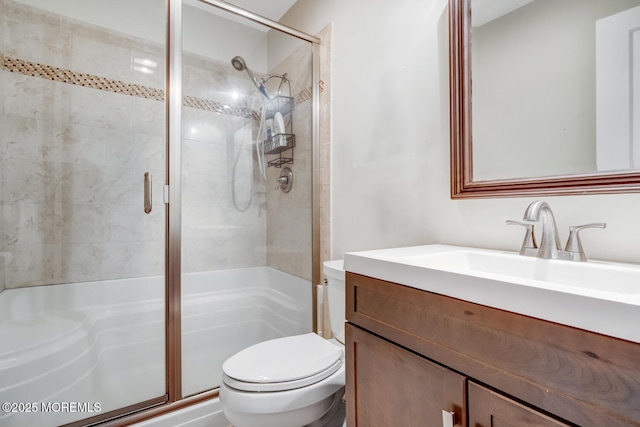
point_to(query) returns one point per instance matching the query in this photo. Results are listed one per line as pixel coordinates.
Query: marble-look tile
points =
(31, 223)
(99, 108)
(302, 125)
(95, 51)
(199, 189)
(246, 251)
(289, 221)
(147, 116)
(149, 64)
(127, 150)
(129, 223)
(2, 271)
(204, 255)
(82, 261)
(26, 96)
(18, 138)
(204, 126)
(26, 180)
(325, 132)
(3, 15)
(33, 265)
(80, 184)
(34, 35)
(132, 259)
(200, 222)
(82, 223)
(196, 156)
(118, 187)
(72, 143)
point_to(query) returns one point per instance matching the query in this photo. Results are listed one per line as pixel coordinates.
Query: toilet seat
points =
(283, 364)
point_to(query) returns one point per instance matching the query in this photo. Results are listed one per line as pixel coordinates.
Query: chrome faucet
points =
(549, 241)
(549, 247)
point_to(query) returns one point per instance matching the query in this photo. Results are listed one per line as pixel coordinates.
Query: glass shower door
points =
(246, 244)
(82, 243)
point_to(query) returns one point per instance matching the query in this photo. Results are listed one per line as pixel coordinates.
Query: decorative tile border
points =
(307, 94)
(116, 86)
(62, 75)
(81, 79)
(220, 108)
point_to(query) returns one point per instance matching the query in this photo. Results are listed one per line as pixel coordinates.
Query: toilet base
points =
(330, 412)
(335, 416)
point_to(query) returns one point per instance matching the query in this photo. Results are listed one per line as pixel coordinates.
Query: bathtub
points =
(72, 351)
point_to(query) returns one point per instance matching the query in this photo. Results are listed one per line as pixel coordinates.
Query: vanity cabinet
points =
(413, 356)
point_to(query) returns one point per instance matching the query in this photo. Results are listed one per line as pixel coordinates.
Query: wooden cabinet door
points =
(389, 386)
(491, 409)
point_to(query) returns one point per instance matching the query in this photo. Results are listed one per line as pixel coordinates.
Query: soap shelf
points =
(278, 162)
(280, 104)
(278, 144)
(281, 144)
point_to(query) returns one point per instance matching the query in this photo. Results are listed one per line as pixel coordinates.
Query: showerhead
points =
(239, 64)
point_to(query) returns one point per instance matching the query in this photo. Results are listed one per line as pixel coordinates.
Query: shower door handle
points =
(148, 203)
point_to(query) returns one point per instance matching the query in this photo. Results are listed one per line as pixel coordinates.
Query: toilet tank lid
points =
(283, 359)
(334, 269)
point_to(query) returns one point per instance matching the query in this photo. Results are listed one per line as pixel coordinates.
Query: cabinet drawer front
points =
(583, 377)
(490, 409)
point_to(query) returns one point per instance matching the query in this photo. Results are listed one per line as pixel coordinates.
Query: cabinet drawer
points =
(583, 377)
(490, 409)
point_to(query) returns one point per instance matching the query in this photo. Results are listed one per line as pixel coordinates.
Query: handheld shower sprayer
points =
(239, 64)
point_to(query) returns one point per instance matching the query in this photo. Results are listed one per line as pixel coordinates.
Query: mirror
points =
(552, 88)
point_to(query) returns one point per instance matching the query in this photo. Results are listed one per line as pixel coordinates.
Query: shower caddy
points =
(281, 144)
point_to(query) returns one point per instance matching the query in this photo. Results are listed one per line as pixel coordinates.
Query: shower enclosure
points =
(145, 236)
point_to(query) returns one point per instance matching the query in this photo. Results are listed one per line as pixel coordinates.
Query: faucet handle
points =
(574, 245)
(529, 242)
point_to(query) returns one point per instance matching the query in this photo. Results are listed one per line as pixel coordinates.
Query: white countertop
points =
(596, 296)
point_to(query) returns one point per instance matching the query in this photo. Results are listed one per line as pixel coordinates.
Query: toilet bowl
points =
(292, 381)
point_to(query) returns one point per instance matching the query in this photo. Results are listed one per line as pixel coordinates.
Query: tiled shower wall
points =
(73, 157)
(80, 126)
(215, 233)
(289, 221)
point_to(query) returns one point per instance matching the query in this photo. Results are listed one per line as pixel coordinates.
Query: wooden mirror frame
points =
(462, 184)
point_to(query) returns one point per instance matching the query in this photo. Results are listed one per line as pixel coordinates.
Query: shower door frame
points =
(173, 273)
(173, 399)
(174, 174)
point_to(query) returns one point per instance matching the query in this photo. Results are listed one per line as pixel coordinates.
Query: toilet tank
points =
(334, 273)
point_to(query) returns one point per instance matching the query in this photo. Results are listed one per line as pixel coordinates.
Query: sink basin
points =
(597, 296)
(604, 277)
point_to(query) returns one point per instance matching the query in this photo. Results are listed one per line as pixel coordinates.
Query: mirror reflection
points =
(553, 87)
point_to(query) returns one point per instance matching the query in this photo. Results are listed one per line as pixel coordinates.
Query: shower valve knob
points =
(285, 180)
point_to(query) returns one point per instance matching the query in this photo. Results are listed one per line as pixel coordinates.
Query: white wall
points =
(390, 153)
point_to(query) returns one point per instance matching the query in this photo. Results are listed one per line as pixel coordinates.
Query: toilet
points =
(292, 381)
